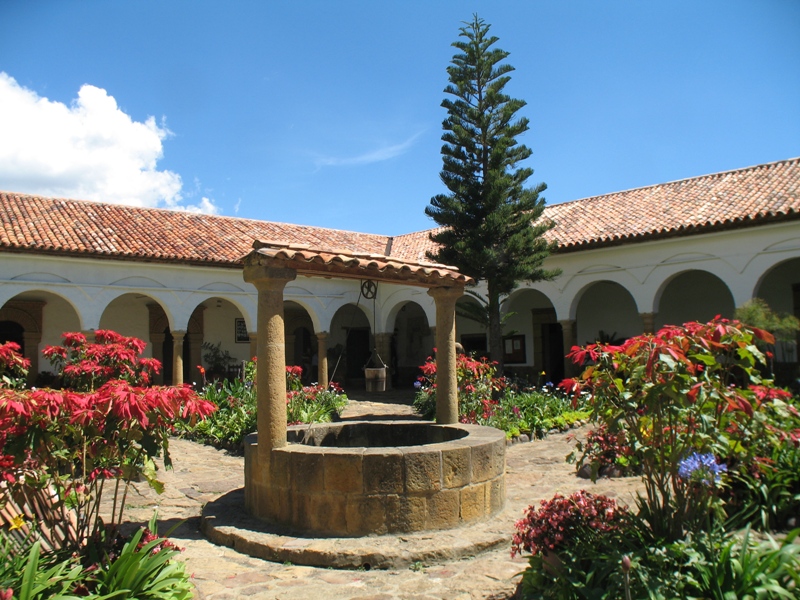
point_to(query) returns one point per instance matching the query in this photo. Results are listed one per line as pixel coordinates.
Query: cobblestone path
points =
(534, 471)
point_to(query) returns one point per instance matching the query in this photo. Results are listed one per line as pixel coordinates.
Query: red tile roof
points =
(349, 264)
(739, 198)
(755, 195)
(77, 227)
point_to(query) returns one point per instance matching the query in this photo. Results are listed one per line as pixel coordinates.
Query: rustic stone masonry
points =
(358, 479)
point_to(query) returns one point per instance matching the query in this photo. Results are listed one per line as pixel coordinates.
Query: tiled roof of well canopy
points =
(759, 194)
(341, 262)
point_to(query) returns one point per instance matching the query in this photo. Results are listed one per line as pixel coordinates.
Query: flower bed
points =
(236, 404)
(60, 450)
(717, 446)
(484, 399)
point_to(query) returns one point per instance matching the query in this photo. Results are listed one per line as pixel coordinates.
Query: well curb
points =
(226, 523)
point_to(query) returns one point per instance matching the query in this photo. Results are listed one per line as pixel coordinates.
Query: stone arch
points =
(605, 311)
(128, 314)
(350, 344)
(43, 317)
(299, 333)
(22, 323)
(779, 287)
(535, 337)
(692, 295)
(410, 344)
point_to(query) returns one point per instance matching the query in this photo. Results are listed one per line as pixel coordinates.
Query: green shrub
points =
(488, 400)
(689, 389)
(717, 445)
(237, 403)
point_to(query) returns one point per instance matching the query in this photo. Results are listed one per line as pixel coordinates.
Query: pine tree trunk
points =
(495, 330)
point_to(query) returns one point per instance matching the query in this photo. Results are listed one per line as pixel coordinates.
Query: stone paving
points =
(201, 474)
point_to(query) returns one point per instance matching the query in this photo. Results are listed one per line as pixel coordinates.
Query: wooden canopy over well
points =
(271, 265)
(306, 260)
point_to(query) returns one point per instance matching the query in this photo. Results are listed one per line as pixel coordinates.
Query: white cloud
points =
(379, 155)
(90, 150)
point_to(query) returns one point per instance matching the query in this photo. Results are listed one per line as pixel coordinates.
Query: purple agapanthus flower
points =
(701, 468)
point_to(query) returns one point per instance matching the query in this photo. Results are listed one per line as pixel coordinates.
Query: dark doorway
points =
(166, 367)
(11, 331)
(303, 353)
(553, 343)
(357, 354)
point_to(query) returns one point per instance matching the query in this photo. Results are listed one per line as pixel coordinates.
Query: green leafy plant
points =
(145, 569)
(61, 449)
(485, 399)
(236, 402)
(27, 575)
(736, 566)
(685, 389)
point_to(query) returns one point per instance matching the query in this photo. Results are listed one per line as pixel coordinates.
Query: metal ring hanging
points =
(369, 289)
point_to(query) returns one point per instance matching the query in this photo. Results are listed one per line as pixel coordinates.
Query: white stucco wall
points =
(605, 288)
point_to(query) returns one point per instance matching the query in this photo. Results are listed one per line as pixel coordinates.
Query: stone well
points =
(362, 478)
(357, 479)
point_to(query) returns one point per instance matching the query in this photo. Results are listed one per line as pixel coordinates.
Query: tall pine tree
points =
(490, 220)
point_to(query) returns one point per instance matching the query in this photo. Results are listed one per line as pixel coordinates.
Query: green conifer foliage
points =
(490, 222)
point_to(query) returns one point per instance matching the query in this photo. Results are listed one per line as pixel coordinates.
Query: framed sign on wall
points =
(240, 332)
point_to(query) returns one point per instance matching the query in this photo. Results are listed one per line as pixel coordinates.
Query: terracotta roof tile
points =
(739, 198)
(346, 263)
(33, 223)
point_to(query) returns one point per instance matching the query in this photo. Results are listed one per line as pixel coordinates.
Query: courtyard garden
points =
(691, 411)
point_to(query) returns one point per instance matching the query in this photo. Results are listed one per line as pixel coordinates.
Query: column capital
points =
(446, 293)
(266, 277)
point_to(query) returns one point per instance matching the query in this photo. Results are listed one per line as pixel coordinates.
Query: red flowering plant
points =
(606, 453)
(687, 389)
(562, 522)
(61, 449)
(13, 367)
(85, 366)
(476, 386)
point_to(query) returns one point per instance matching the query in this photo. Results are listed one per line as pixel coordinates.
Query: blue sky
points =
(328, 113)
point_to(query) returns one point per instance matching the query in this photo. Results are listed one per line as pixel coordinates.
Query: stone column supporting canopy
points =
(322, 358)
(271, 372)
(177, 357)
(446, 380)
(569, 330)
